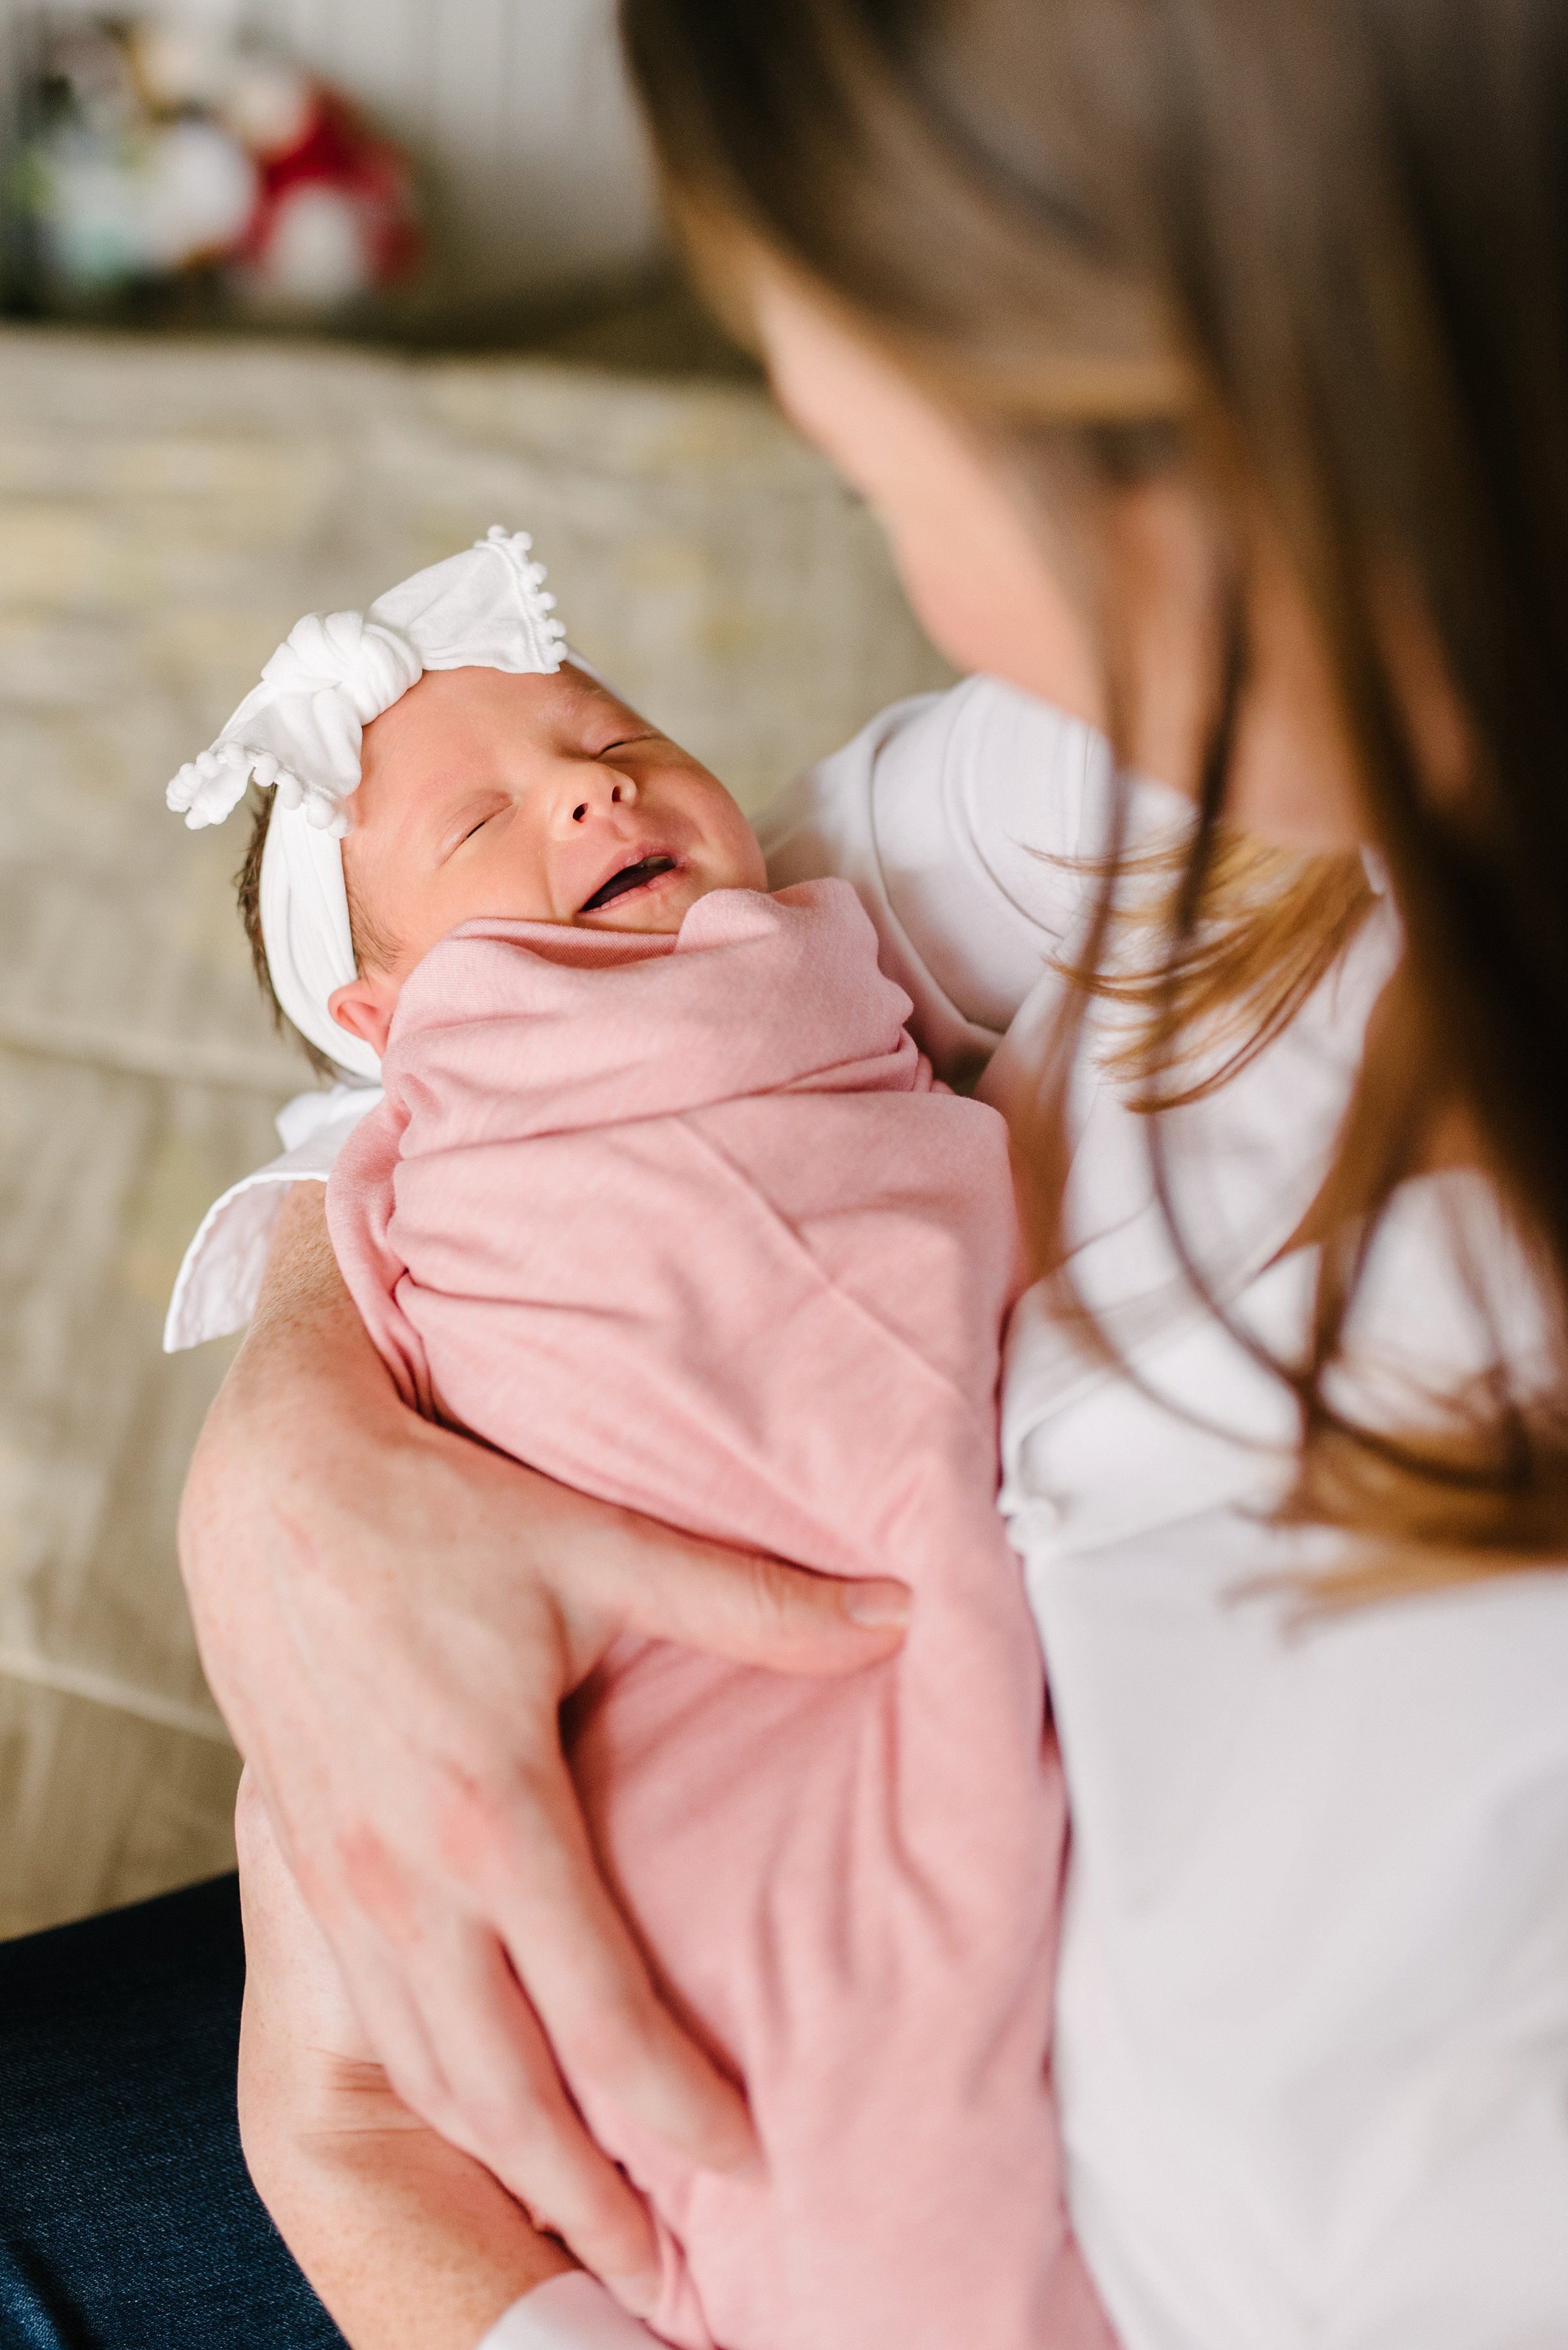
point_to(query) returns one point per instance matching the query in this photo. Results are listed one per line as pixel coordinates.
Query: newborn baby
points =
(663, 1199)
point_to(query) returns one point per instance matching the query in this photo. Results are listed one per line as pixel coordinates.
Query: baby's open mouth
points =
(630, 877)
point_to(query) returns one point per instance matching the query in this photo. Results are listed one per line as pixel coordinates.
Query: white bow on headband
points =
(299, 733)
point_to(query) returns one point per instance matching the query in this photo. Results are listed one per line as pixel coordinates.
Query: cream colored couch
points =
(166, 511)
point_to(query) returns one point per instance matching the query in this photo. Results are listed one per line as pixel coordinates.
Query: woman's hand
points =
(390, 1616)
(410, 2244)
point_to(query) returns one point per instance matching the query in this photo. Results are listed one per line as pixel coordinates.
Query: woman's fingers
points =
(590, 1986)
(523, 1859)
(437, 1998)
(464, 2048)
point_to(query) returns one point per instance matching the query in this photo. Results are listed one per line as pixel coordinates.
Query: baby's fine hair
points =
(372, 947)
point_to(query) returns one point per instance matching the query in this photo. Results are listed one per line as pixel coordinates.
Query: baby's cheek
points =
(754, 872)
(746, 867)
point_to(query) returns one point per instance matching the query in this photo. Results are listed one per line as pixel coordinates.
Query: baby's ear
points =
(365, 1008)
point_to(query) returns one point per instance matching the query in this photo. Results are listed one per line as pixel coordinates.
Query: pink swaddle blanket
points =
(684, 1223)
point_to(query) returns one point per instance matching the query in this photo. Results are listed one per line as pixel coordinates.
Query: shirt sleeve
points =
(570, 2312)
(968, 821)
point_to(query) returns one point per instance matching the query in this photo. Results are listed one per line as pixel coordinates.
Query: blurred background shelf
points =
(515, 115)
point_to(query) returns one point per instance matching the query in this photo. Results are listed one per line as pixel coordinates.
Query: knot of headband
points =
(299, 730)
(299, 733)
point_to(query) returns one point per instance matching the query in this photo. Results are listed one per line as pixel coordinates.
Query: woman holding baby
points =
(1205, 363)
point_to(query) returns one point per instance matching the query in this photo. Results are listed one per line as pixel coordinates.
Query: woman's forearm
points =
(410, 2244)
(305, 1347)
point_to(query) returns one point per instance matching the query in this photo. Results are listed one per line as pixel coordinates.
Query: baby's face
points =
(540, 798)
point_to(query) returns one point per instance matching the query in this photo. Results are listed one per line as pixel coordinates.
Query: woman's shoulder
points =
(968, 821)
(983, 763)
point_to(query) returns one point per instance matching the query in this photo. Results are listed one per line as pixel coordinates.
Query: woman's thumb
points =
(758, 1611)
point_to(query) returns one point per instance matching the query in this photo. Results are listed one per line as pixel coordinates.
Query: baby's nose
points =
(597, 792)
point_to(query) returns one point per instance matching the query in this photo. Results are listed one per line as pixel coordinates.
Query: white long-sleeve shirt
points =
(1312, 2012)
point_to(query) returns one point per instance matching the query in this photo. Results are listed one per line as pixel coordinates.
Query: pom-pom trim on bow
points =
(208, 787)
(536, 597)
(212, 784)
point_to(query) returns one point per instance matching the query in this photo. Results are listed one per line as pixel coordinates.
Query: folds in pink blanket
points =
(685, 1223)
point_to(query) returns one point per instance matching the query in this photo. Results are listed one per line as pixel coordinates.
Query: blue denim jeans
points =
(127, 2219)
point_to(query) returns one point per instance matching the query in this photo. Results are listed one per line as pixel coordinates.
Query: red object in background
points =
(335, 216)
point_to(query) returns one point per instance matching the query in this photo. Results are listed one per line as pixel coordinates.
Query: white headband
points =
(299, 733)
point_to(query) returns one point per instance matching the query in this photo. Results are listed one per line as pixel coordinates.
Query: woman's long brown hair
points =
(1344, 223)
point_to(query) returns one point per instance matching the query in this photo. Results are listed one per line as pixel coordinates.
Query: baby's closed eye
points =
(471, 818)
